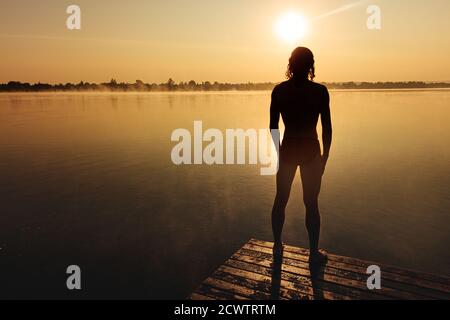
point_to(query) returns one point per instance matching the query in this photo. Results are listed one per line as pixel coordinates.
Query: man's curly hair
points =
(301, 64)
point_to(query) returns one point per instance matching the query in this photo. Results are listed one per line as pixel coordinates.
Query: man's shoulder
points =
(280, 86)
(319, 87)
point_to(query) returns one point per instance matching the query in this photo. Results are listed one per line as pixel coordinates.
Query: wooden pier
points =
(250, 273)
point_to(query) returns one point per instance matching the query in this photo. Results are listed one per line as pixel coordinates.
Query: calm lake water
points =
(87, 179)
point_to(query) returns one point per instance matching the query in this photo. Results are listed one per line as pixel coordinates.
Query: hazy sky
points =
(227, 41)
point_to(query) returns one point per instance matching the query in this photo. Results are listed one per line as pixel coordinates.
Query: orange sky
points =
(227, 41)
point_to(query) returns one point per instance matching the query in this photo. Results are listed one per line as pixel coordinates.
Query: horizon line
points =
(219, 82)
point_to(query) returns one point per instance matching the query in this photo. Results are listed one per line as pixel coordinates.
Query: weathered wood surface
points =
(251, 273)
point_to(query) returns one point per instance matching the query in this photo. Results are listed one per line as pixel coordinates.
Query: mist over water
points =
(87, 179)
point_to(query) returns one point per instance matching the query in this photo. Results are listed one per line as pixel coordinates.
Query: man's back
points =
(300, 103)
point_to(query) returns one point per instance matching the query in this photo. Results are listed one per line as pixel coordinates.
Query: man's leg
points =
(285, 175)
(311, 176)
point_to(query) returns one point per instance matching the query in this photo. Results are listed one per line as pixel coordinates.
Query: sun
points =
(291, 27)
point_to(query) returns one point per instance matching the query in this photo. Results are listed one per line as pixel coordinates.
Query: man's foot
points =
(318, 257)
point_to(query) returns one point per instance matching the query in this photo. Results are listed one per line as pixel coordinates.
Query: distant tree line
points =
(387, 85)
(171, 85)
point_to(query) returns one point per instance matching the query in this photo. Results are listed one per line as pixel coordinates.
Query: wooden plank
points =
(319, 289)
(304, 277)
(251, 274)
(246, 279)
(350, 272)
(426, 284)
(288, 288)
(363, 263)
(429, 288)
(236, 289)
(217, 294)
(197, 296)
(277, 286)
(331, 277)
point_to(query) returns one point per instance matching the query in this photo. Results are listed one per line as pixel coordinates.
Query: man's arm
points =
(325, 118)
(274, 120)
(274, 112)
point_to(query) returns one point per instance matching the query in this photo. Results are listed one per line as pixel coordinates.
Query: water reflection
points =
(87, 178)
